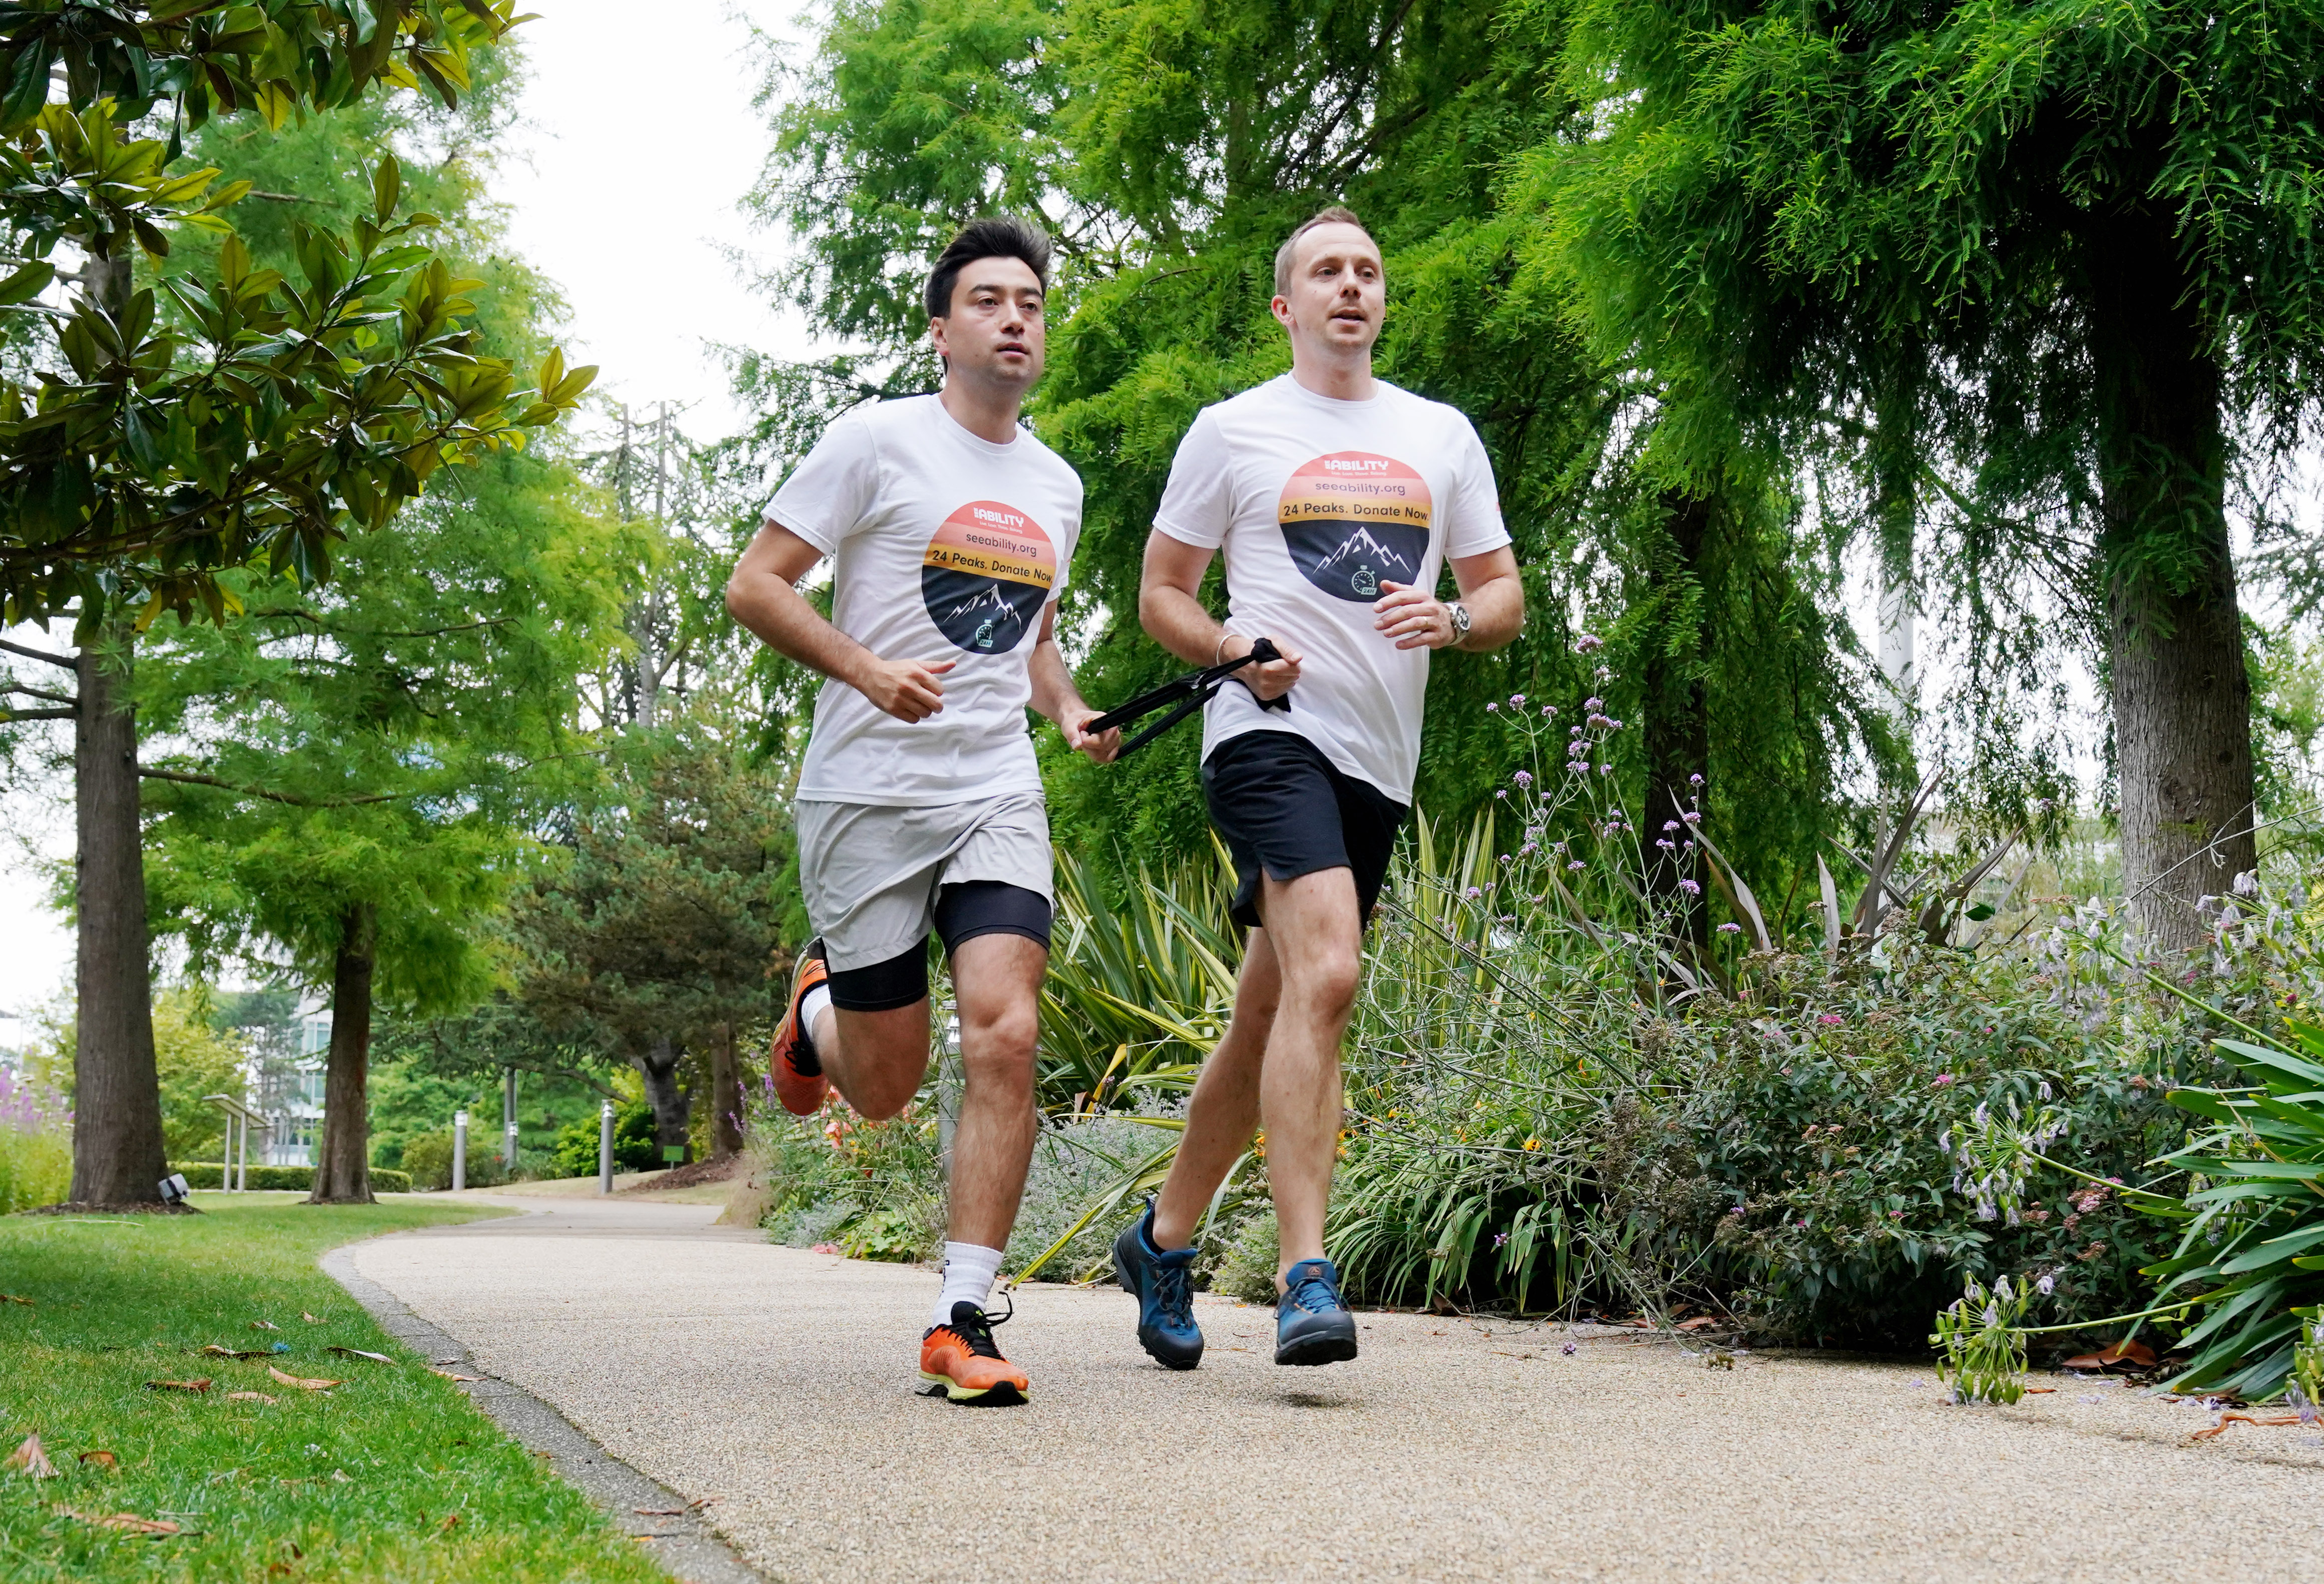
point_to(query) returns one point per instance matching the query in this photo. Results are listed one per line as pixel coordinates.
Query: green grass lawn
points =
(391, 1475)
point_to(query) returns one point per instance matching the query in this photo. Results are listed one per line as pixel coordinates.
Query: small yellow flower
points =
(1533, 1144)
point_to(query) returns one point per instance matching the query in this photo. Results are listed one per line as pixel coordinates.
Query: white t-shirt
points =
(948, 547)
(1317, 503)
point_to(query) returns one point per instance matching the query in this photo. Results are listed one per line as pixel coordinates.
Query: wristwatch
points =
(1460, 615)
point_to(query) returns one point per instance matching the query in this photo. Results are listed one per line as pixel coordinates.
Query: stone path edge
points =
(686, 1547)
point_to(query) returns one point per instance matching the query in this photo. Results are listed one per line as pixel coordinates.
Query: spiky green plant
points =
(2252, 1258)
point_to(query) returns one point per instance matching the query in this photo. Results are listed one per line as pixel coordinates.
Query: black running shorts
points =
(1284, 810)
(962, 912)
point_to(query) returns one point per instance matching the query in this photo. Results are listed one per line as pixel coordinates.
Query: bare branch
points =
(10, 717)
(65, 698)
(192, 779)
(37, 654)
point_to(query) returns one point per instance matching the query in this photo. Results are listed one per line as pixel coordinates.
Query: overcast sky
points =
(624, 186)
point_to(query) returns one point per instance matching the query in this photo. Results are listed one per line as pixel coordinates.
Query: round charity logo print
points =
(986, 576)
(1353, 521)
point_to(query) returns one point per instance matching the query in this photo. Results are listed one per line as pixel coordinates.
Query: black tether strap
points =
(1189, 693)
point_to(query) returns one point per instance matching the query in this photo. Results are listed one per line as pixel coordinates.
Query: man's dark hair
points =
(996, 236)
(1336, 215)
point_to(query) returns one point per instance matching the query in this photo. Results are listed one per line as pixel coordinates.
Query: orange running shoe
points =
(799, 1083)
(961, 1361)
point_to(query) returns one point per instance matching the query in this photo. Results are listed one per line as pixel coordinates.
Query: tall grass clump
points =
(35, 1145)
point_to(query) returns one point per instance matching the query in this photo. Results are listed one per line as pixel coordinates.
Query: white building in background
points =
(290, 1095)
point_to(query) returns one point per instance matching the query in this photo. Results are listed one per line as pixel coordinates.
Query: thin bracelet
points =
(1219, 652)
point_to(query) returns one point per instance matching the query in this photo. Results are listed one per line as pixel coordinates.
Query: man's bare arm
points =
(1055, 696)
(762, 596)
(1170, 609)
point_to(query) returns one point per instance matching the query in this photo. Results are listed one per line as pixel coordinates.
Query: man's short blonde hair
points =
(1336, 215)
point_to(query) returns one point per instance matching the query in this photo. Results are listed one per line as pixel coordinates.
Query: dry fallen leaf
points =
(659, 1512)
(215, 1351)
(2228, 1419)
(11, 1298)
(2038, 1391)
(1699, 1323)
(103, 1459)
(304, 1385)
(31, 1458)
(264, 1325)
(249, 1397)
(129, 1521)
(339, 1476)
(448, 1375)
(310, 1319)
(359, 1353)
(202, 1385)
(448, 1524)
(2125, 1351)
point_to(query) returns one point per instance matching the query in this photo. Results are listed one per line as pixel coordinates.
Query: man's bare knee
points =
(879, 1099)
(1327, 981)
(1000, 1069)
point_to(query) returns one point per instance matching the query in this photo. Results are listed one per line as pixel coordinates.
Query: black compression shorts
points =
(963, 912)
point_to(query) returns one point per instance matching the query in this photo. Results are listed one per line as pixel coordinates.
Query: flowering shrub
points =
(35, 1145)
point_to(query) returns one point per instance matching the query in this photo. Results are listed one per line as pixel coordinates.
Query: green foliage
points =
(194, 1060)
(873, 1189)
(206, 1175)
(1980, 1342)
(660, 918)
(2253, 1252)
(213, 56)
(634, 1148)
(116, 1304)
(238, 415)
(35, 1144)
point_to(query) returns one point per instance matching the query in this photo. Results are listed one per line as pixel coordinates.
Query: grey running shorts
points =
(871, 874)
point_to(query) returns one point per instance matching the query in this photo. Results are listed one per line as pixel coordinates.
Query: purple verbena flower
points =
(1690, 888)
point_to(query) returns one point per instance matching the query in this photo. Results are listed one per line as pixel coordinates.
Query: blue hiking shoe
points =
(1311, 1322)
(1158, 1279)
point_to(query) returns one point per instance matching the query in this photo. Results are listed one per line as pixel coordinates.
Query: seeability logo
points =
(1352, 521)
(988, 570)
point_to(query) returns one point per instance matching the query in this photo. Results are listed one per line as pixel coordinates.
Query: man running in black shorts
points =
(1336, 499)
(920, 800)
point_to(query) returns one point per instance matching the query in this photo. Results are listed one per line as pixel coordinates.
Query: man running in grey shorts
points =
(920, 801)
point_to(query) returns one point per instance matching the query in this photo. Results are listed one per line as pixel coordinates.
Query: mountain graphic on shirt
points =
(991, 614)
(1353, 521)
(1359, 549)
(987, 572)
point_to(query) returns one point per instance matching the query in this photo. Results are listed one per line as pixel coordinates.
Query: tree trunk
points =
(343, 1170)
(726, 1095)
(1678, 717)
(118, 1155)
(659, 1067)
(2181, 696)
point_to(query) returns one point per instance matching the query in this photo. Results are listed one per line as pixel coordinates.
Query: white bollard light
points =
(459, 1150)
(605, 1147)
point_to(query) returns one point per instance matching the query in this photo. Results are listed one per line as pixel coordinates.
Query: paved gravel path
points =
(781, 1383)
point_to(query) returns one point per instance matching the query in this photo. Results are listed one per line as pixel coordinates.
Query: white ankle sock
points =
(812, 1007)
(968, 1272)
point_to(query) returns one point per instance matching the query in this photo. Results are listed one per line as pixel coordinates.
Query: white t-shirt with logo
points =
(1319, 503)
(948, 547)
